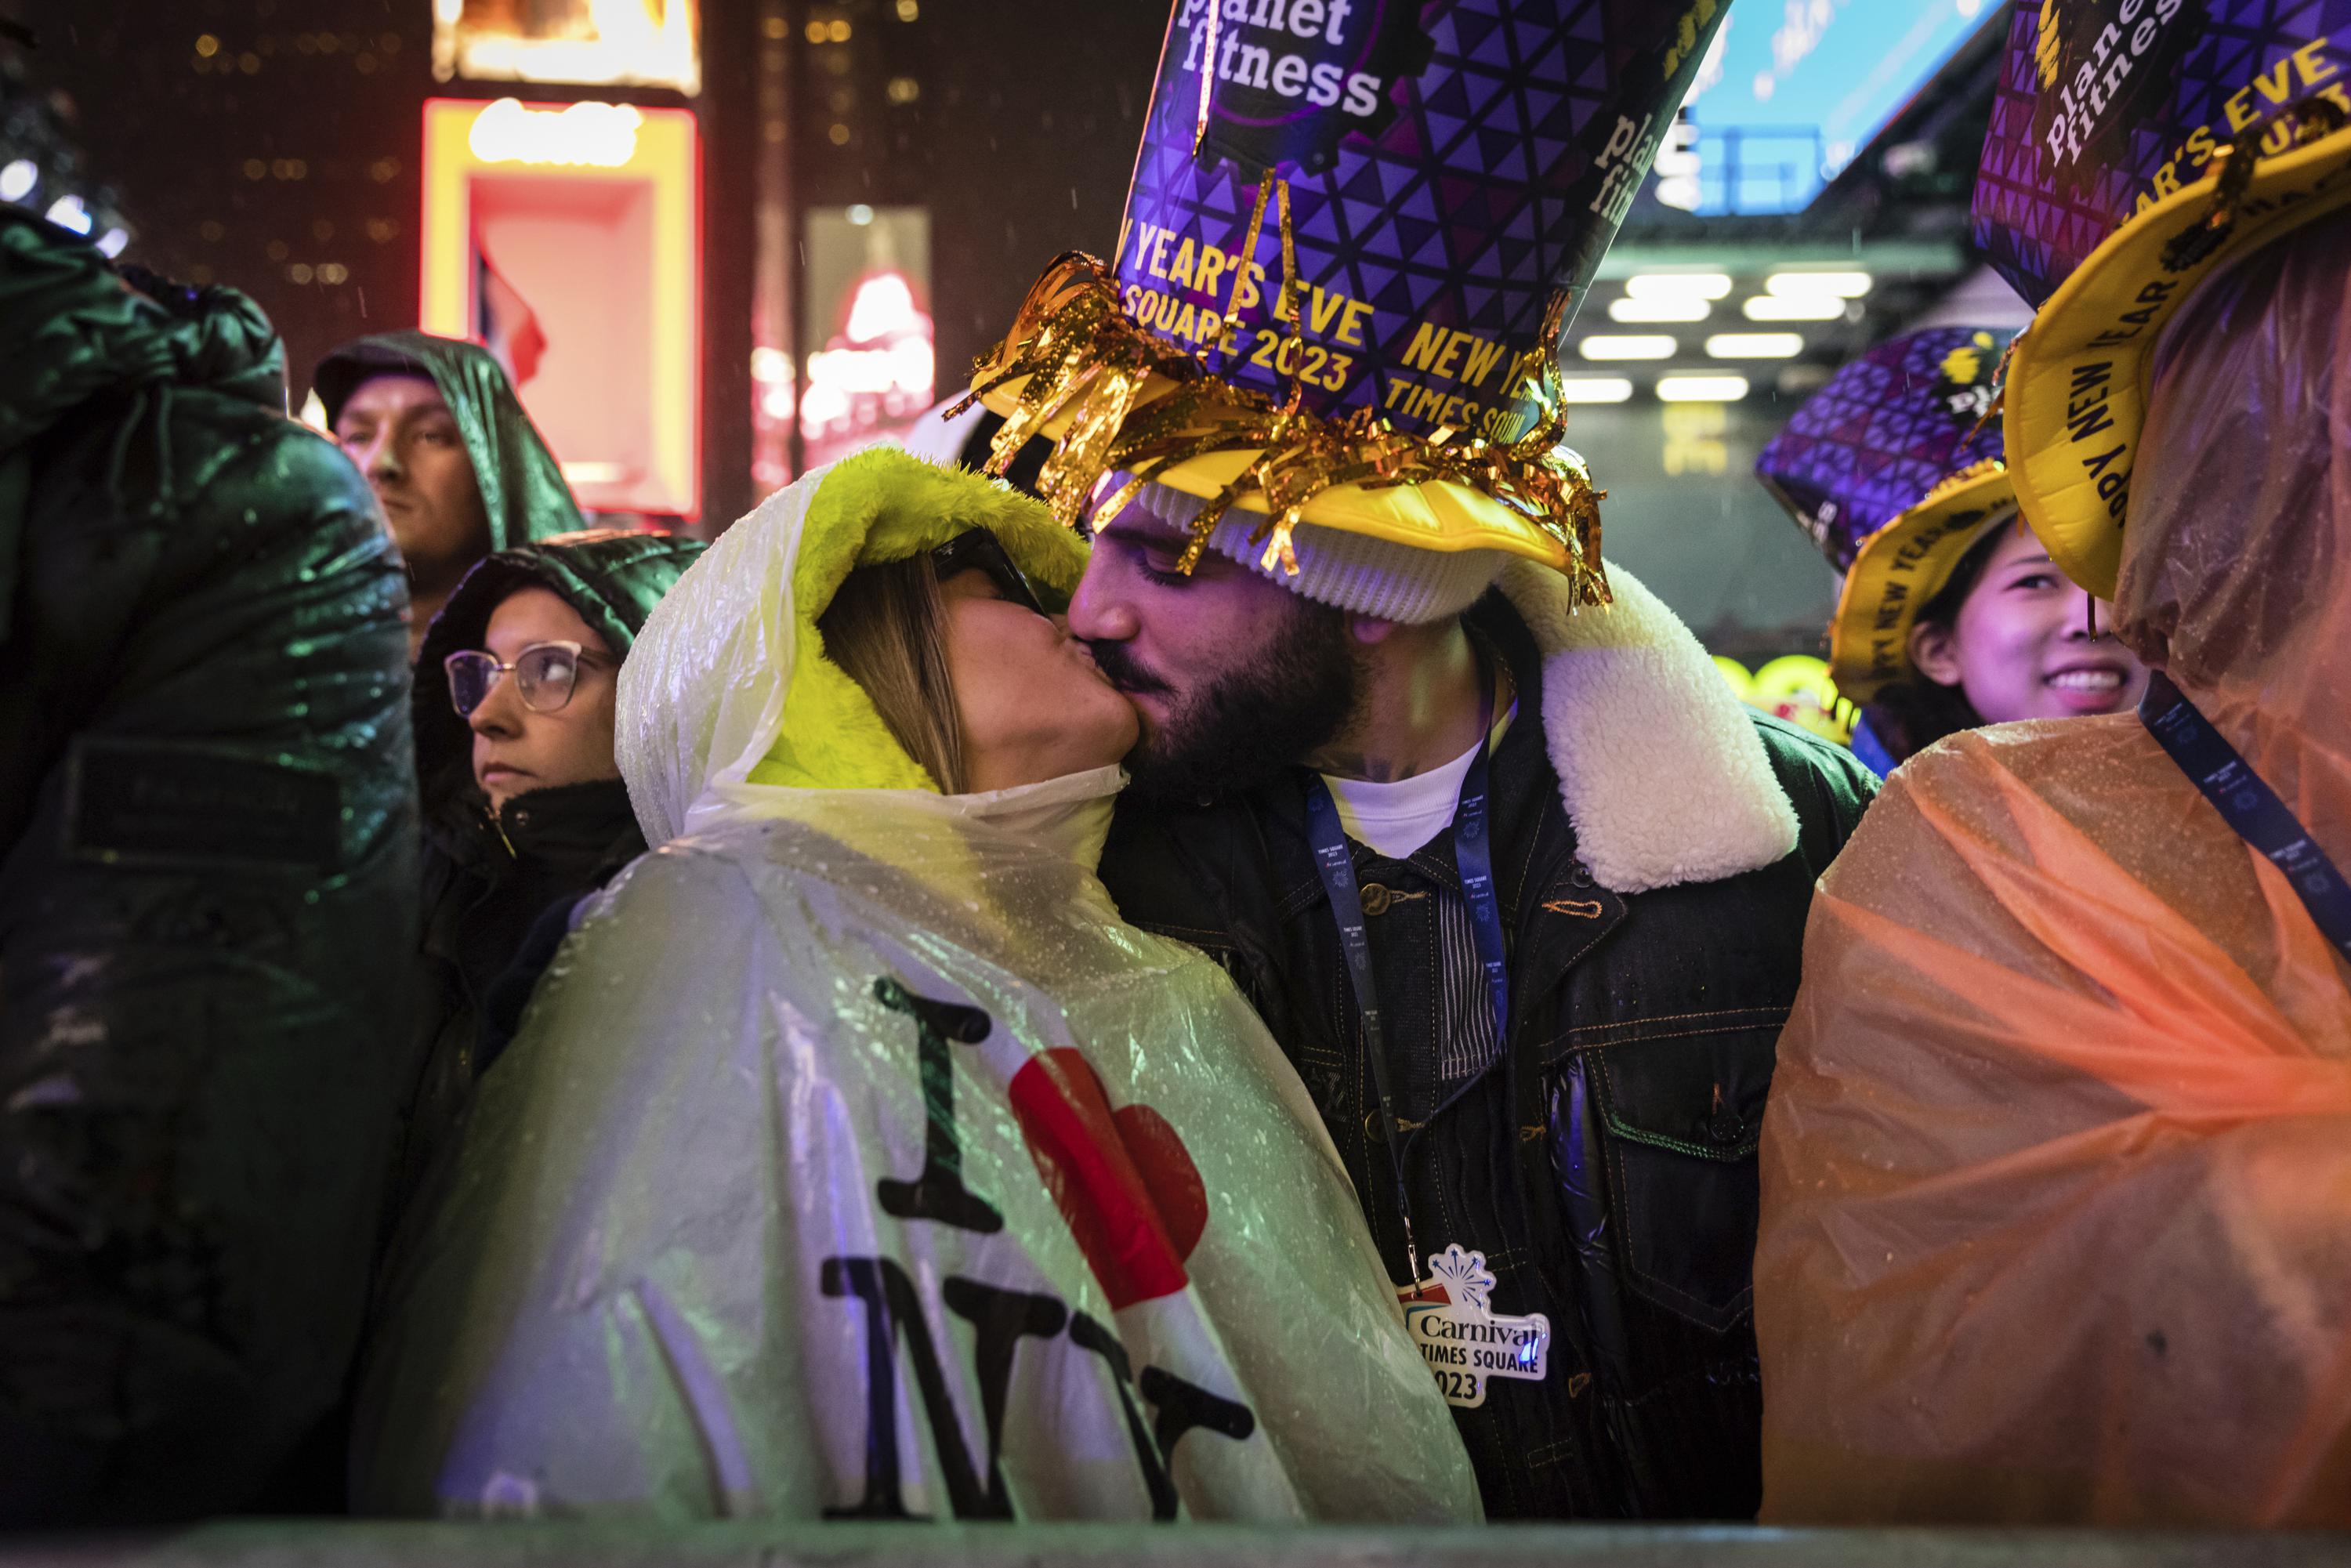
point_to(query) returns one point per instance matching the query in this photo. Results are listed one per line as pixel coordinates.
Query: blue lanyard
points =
(1870, 751)
(2248, 805)
(1473, 858)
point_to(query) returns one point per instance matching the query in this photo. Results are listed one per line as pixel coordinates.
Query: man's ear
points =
(1370, 631)
(1935, 652)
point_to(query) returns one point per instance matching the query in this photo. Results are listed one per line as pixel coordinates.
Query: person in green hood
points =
(207, 842)
(456, 465)
(524, 811)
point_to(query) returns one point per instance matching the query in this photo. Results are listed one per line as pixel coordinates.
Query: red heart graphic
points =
(1123, 1178)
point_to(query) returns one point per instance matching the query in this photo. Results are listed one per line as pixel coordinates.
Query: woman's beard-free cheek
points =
(1058, 726)
(2002, 652)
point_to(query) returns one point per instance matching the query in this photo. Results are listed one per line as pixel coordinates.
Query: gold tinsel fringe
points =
(1083, 357)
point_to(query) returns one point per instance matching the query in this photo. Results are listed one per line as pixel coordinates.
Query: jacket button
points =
(1581, 875)
(1726, 1127)
(1378, 898)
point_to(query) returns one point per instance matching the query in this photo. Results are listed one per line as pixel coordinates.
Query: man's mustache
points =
(1122, 668)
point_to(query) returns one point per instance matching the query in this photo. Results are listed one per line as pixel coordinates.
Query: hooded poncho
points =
(2058, 1158)
(856, 1160)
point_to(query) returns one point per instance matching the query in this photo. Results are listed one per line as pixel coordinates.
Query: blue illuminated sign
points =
(1791, 92)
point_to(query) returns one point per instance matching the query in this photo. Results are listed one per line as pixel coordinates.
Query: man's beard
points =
(1245, 726)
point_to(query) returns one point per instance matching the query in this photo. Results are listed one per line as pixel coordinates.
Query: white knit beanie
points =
(1353, 571)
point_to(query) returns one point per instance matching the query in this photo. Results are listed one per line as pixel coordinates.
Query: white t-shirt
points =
(1399, 818)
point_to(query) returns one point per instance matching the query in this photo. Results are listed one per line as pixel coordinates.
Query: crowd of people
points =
(1291, 1000)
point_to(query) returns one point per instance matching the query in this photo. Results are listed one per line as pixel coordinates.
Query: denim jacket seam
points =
(1565, 1043)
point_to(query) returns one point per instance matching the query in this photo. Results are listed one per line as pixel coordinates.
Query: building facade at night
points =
(278, 145)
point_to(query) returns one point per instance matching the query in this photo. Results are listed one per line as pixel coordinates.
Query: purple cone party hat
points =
(2136, 147)
(1894, 469)
(1357, 232)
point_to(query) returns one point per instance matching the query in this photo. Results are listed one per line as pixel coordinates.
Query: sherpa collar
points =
(1660, 765)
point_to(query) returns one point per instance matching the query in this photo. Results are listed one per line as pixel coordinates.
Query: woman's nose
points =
(2087, 618)
(498, 713)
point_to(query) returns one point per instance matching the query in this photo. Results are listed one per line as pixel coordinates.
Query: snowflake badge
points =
(1468, 1281)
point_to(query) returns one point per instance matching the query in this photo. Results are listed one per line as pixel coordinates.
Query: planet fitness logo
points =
(1293, 76)
(1962, 387)
(2100, 66)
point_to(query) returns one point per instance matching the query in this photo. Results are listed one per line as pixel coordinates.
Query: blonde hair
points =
(886, 628)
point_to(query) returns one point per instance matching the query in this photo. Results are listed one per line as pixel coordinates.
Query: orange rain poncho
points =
(2057, 1173)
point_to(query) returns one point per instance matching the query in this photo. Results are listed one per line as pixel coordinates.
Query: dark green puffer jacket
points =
(207, 873)
(522, 486)
(486, 879)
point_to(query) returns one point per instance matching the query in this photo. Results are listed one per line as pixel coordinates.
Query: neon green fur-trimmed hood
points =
(728, 683)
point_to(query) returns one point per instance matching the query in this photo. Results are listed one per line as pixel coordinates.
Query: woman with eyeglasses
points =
(856, 1159)
(524, 811)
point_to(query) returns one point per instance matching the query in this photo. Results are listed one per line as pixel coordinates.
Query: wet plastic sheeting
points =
(1120, 1262)
(2058, 1159)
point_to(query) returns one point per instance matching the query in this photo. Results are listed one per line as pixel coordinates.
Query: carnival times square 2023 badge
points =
(1462, 1339)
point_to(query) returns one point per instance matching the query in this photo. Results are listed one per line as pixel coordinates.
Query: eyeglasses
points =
(545, 675)
(976, 549)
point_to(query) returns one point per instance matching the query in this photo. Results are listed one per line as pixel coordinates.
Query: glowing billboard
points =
(870, 364)
(1791, 92)
(567, 237)
(585, 43)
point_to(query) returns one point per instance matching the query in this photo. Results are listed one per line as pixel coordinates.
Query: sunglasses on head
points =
(976, 549)
(545, 676)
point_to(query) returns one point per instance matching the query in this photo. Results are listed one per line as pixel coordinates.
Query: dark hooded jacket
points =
(207, 832)
(488, 878)
(522, 487)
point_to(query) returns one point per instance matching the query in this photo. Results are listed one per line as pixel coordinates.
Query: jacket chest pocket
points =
(1681, 1115)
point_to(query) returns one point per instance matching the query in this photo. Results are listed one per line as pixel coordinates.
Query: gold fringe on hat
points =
(1078, 357)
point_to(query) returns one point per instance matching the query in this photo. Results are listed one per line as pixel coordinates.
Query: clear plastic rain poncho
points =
(2057, 1168)
(856, 1160)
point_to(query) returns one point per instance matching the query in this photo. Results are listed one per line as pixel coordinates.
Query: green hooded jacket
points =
(487, 879)
(522, 486)
(207, 840)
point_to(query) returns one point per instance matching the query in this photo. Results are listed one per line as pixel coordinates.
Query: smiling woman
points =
(1949, 616)
(2007, 638)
